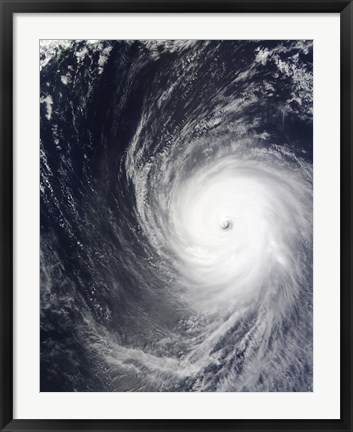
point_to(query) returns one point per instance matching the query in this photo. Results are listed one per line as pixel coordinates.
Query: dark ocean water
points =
(176, 216)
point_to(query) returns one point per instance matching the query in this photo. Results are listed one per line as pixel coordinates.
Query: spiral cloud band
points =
(176, 216)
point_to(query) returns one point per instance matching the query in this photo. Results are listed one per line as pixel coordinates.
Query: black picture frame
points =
(8, 9)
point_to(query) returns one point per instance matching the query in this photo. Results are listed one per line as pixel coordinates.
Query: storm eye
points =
(225, 223)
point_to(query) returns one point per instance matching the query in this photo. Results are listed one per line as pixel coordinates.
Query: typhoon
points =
(176, 215)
